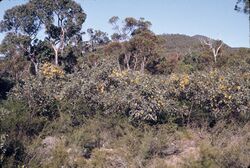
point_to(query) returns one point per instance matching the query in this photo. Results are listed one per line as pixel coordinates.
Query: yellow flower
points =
(100, 88)
(184, 81)
(49, 70)
(221, 78)
(136, 80)
(222, 87)
(213, 73)
(174, 77)
(227, 96)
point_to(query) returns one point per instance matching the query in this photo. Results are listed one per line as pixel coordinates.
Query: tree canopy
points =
(61, 19)
(129, 28)
(243, 6)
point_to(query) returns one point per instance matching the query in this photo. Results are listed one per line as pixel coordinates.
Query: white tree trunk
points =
(127, 59)
(56, 53)
(35, 66)
(212, 46)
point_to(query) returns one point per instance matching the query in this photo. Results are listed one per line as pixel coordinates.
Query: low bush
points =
(181, 98)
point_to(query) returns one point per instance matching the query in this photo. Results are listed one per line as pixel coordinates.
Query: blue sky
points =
(212, 18)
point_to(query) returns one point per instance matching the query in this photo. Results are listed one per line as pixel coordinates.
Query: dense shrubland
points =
(137, 100)
(55, 103)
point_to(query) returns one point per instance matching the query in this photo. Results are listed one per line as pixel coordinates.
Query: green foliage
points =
(182, 98)
(130, 27)
(62, 22)
(16, 124)
(21, 18)
(140, 101)
(40, 97)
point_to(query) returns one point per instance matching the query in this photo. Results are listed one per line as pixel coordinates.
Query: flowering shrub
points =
(211, 95)
(215, 94)
(51, 71)
(181, 98)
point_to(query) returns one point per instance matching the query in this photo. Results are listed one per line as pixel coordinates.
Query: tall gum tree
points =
(62, 19)
(139, 43)
(22, 26)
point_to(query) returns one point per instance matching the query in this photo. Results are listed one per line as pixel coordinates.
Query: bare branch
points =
(212, 46)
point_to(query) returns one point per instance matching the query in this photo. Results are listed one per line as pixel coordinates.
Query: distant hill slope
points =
(184, 43)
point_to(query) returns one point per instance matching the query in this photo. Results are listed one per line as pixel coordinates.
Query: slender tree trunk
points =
(118, 63)
(136, 60)
(143, 64)
(215, 56)
(56, 54)
(127, 59)
(62, 45)
(56, 58)
(215, 49)
(35, 66)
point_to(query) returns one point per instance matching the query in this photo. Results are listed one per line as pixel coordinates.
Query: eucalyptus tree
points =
(130, 27)
(15, 65)
(215, 46)
(97, 38)
(244, 6)
(59, 21)
(140, 50)
(62, 20)
(22, 27)
(139, 43)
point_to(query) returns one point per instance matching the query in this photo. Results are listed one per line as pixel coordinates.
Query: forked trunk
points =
(56, 54)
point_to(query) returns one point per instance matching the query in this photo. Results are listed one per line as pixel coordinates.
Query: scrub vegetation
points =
(134, 99)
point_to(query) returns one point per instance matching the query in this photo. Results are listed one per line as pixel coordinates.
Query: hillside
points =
(181, 42)
(184, 43)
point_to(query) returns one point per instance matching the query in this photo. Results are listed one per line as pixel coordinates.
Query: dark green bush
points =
(5, 86)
